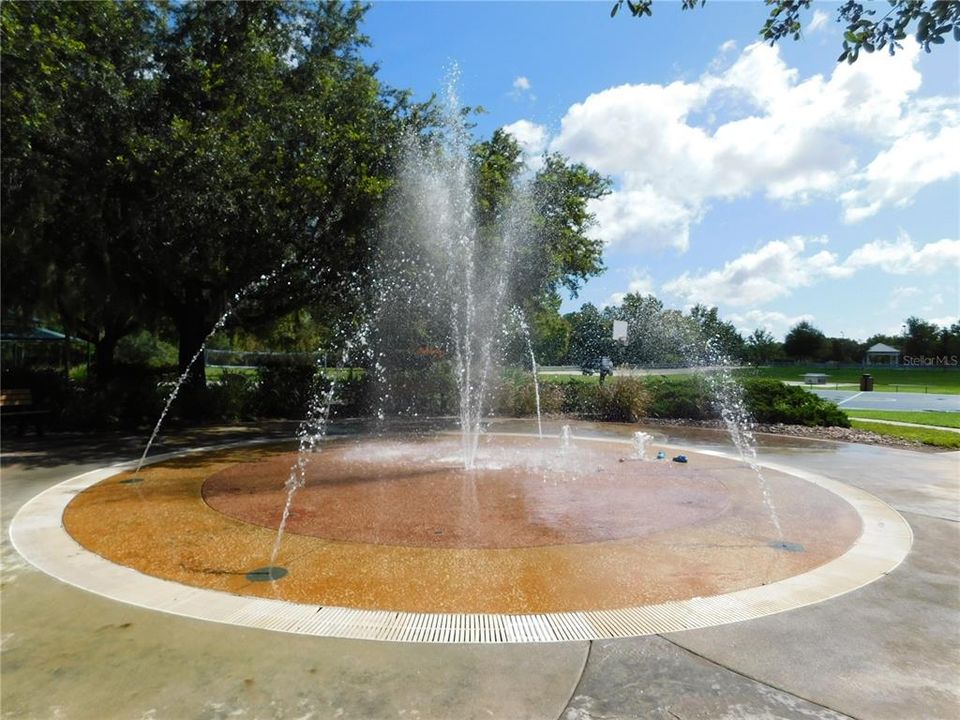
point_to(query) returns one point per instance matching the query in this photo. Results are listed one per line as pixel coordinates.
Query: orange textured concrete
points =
(399, 525)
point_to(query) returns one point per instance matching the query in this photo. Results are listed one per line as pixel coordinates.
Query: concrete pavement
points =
(897, 423)
(888, 650)
(856, 400)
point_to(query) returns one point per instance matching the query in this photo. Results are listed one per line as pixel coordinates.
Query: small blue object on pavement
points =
(680, 458)
(661, 455)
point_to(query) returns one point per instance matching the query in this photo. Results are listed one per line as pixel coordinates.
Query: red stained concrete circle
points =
(522, 494)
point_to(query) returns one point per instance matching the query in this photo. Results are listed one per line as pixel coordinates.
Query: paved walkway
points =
(906, 424)
(888, 650)
(904, 401)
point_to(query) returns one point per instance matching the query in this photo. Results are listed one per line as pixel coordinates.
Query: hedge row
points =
(284, 391)
(627, 399)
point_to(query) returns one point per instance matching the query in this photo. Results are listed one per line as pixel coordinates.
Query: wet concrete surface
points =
(888, 650)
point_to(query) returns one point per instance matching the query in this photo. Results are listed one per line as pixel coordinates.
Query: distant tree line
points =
(662, 336)
(918, 338)
(656, 335)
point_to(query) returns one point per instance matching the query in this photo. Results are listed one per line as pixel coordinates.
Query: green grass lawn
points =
(557, 378)
(943, 419)
(941, 380)
(215, 372)
(927, 436)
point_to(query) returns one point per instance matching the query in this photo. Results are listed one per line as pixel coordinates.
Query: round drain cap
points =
(264, 574)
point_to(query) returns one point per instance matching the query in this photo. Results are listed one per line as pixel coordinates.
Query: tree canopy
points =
(77, 82)
(932, 23)
(158, 160)
(804, 342)
(656, 335)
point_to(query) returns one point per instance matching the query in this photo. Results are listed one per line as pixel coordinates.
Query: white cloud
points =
(945, 321)
(818, 22)
(531, 136)
(522, 89)
(754, 278)
(902, 257)
(898, 173)
(644, 218)
(776, 323)
(641, 283)
(778, 268)
(858, 135)
(900, 294)
(728, 46)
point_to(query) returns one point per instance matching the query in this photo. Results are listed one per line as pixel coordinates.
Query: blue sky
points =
(770, 182)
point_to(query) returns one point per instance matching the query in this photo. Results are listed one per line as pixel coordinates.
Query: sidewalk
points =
(907, 424)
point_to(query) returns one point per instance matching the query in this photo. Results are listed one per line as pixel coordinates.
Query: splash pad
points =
(534, 544)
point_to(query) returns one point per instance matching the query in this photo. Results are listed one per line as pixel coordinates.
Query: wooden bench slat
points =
(8, 397)
(17, 403)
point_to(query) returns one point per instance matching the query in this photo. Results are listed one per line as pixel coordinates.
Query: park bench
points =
(18, 403)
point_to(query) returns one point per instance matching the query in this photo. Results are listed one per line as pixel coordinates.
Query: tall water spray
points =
(436, 255)
(525, 331)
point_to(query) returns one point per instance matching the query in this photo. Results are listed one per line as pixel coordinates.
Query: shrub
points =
(770, 401)
(425, 389)
(623, 399)
(517, 396)
(133, 398)
(620, 400)
(145, 349)
(580, 398)
(137, 395)
(679, 398)
(232, 397)
(285, 387)
(351, 396)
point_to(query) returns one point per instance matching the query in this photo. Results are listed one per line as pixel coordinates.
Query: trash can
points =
(866, 383)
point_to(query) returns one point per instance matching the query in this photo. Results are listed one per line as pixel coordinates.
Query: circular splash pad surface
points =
(400, 526)
(518, 495)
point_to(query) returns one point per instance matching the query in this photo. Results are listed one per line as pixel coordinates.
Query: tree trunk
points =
(192, 328)
(103, 356)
